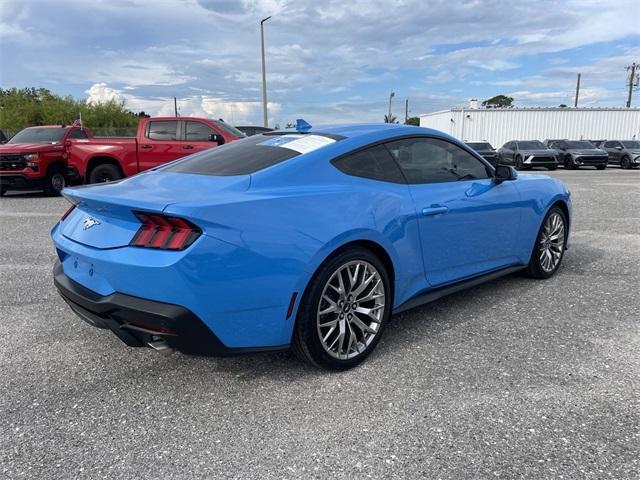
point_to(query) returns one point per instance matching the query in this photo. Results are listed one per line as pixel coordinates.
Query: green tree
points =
(26, 107)
(499, 101)
(413, 121)
(390, 118)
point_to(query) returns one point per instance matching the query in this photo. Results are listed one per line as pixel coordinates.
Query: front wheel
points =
(519, 164)
(625, 162)
(548, 250)
(344, 311)
(552, 167)
(106, 172)
(601, 167)
(54, 182)
(569, 163)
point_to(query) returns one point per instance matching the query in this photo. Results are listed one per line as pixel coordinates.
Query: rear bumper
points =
(137, 321)
(13, 181)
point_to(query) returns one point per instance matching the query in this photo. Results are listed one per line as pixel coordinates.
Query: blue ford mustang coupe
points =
(306, 239)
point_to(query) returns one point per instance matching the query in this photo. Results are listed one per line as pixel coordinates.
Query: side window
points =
(510, 145)
(163, 130)
(77, 133)
(198, 132)
(608, 144)
(430, 160)
(375, 163)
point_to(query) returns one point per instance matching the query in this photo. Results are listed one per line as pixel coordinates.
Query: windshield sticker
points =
(299, 143)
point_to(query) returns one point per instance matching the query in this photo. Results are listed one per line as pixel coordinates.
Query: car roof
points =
(364, 129)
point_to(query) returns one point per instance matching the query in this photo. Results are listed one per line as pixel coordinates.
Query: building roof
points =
(536, 109)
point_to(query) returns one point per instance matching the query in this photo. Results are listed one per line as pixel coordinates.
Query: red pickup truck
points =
(36, 158)
(159, 140)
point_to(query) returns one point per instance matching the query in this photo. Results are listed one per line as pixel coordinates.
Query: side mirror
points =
(216, 137)
(504, 173)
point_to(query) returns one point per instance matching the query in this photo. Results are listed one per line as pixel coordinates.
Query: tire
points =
(570, 164)
(552, 167)
(601, 167)
(519, 164)
(537, 268)
(323, 291)
(2, 192)
(625, 162)
(105, 172)
(54, 182)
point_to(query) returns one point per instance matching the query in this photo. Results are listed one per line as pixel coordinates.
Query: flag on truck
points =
(78, 121)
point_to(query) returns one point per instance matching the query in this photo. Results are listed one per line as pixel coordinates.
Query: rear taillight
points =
(167, 233)
(67, 213)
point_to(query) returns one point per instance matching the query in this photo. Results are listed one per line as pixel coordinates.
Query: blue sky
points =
(327, 61)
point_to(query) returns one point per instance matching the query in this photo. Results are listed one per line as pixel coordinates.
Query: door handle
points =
(434, 210)
(188, 147)
(145, 146)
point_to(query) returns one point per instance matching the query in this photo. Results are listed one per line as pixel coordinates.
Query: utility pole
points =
(265, 117)
(577, 91)
(175, 106)
(634, 80)
(406, 110)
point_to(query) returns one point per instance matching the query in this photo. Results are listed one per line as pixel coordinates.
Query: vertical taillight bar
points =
(164, 232)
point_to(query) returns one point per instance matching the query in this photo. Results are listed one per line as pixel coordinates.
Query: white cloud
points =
(235, 112)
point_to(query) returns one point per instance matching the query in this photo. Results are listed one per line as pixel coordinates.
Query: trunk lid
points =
(104, 218)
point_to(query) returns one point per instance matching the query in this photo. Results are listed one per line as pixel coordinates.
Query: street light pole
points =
(265, 118)
(391, 95)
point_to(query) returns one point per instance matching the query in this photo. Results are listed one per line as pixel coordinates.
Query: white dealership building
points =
(499, 125)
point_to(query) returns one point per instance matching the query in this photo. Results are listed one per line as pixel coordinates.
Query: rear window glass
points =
(248, 155)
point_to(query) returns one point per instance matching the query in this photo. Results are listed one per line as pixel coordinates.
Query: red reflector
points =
(66, 214)
(159, 231)
(292, 303)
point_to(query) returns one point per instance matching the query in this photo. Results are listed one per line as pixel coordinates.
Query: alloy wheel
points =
(551, 242)
(351, 309)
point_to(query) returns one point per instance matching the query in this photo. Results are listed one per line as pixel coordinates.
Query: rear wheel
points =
(55, 181)
(548, 250)
(552, 167)
(344, 311)
(601, 167)
(2, 192)
(105, 172)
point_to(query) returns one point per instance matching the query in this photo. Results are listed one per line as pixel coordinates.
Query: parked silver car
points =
(526, 154)
(574, 154)
(625, 153)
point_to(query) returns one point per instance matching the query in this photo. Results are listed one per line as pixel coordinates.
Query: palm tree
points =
(390, 118)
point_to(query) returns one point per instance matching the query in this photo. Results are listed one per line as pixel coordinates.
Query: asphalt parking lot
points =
(513, 379)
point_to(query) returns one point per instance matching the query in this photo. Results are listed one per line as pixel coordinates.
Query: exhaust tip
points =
(160, 345)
